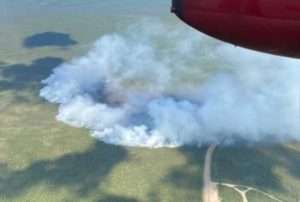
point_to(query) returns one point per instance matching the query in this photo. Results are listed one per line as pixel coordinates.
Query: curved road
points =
(210, 190)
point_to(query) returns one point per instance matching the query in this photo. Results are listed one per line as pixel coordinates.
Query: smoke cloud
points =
(157, 85)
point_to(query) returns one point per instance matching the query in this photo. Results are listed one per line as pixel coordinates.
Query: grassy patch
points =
(254, 196)
(228, 194)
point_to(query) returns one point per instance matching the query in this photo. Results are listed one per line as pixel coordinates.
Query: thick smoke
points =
(166, 85)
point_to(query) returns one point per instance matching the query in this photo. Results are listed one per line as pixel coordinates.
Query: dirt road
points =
(210, 190)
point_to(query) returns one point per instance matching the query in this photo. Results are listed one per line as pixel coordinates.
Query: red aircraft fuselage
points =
(271, 26)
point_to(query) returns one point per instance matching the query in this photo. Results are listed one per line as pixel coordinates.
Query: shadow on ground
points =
(82, 173)
(49, 39)
(185, 180)
(189, 176)
(111, 198)
(21, 78)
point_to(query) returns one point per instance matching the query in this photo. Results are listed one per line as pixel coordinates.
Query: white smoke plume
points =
(161, 85)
